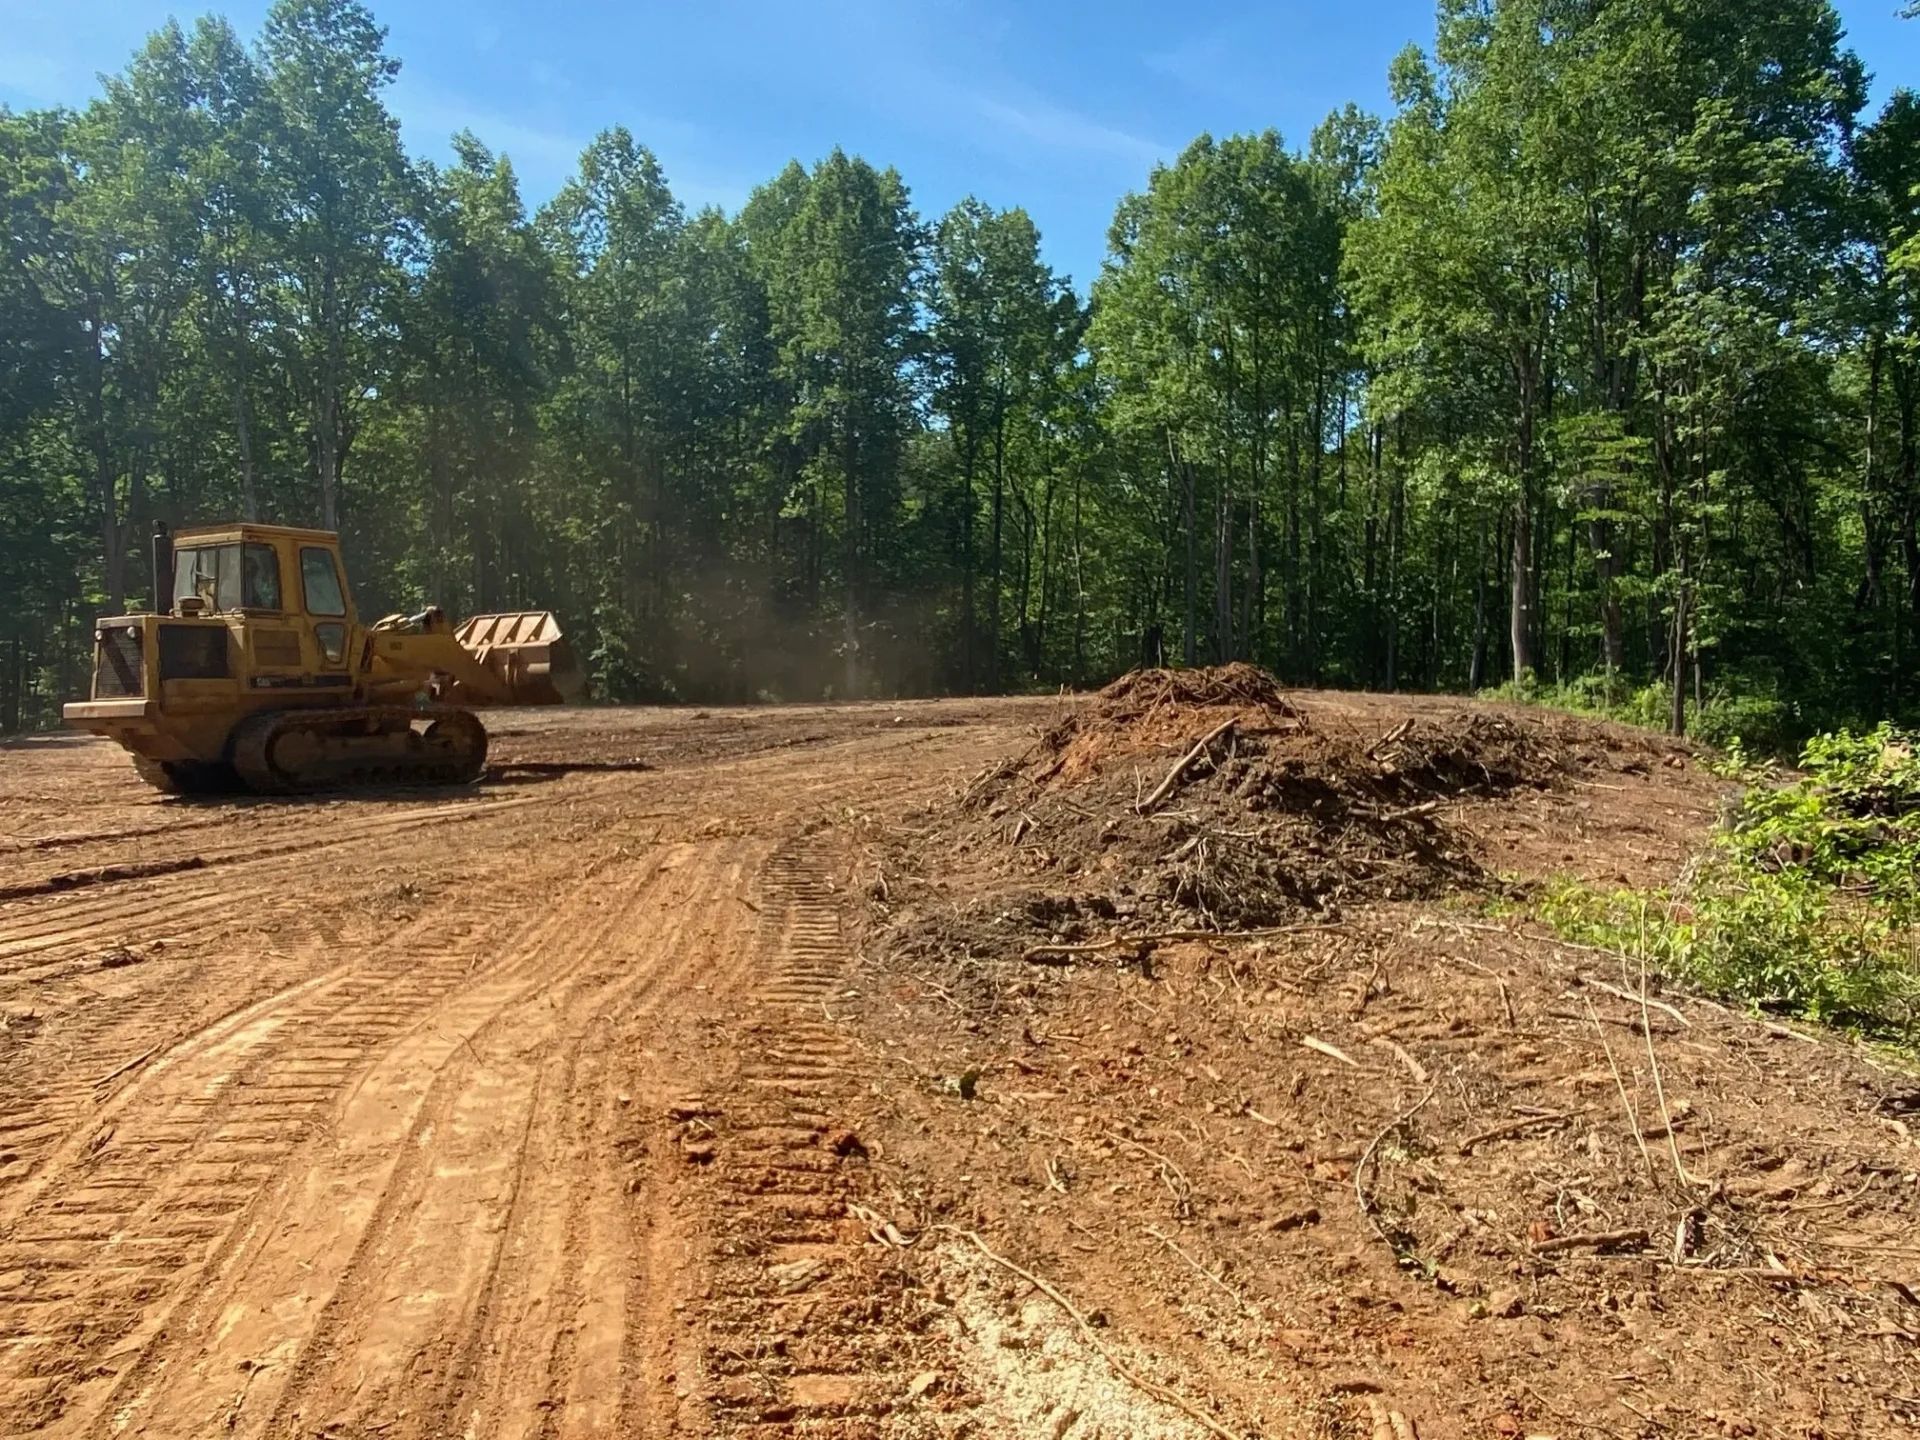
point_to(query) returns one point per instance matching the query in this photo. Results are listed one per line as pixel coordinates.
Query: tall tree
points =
(1003, 326)
(341, 204)
(839, 253)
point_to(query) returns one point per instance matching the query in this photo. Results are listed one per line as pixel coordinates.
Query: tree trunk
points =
(999, 531)
(1396, 525)
(243, 438)
(1223, 573)
(1477, 666)
(850, 562)
(967, 621)
(1677, 713)
(1256, 597)
(12, 685)
(1079, 588)
(1183, 474)
(1521, 565)
(114, 560)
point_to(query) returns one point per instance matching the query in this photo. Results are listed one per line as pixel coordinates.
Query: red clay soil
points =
(1392, 1167)
(718, 1098)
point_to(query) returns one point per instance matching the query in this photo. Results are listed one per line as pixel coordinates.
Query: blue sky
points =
(1059, 106)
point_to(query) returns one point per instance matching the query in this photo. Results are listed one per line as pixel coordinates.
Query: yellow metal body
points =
(261, 619)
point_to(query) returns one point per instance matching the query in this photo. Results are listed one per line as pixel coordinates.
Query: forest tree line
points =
(1595, 365)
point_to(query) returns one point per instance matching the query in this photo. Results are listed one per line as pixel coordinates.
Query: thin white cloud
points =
(431, 117)
(544, 159)
(1066, 131)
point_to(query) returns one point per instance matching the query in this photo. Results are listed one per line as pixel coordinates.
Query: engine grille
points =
(193, 652)
(119, 667)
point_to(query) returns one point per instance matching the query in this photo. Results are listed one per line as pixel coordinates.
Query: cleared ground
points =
(612, 1101)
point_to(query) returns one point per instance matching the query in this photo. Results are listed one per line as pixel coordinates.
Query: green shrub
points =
(1756, 717)
(1808, 902)
(1763, 723)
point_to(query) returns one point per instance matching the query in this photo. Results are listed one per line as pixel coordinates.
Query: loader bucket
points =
(528, 654)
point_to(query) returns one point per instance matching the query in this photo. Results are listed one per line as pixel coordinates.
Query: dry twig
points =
(1164, 937)
(1333, 1051)
(1640, 999)
(118, 1071)
(1621, 1085)
(1414, 1067)
(1659, 1089)
(1598, 1239)
(1511, 1127)
(1205, 1273)
(1165, 787)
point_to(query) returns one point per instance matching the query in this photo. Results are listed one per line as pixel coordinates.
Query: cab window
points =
(259, 578)
(321, 581)
(228, 577)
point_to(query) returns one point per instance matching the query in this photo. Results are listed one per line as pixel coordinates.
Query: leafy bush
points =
(1808, 902)
(1763, 723)
(1755, 717)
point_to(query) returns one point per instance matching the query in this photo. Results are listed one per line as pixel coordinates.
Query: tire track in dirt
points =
(583, 1292)
(96, 1250)
(803, 1326)
(107, 1038)
(105, 1047)
(462, 1137)
(51, 918)
(487, 1328)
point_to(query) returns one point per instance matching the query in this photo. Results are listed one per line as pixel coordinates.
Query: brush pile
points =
(1207, 800)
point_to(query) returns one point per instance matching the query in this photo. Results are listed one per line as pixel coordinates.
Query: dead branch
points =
(1785, 1034)
(1511, 1127)
(1330, 1050)
(1206, 1274)
(1743, 1272)
(1414, 1067)
(1153, 1389)
(1184, 1194)
(1625, 994)
(1165, 787)
(1393, 736)
(1659, 1088)
(1598, 1239)
(1164, 937)
(118, 1071)
(1092, 947)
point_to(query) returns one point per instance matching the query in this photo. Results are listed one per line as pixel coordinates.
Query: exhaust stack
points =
(162, 568)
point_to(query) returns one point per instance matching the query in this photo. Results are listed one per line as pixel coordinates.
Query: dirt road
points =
(384, 1116)
(704, 1088)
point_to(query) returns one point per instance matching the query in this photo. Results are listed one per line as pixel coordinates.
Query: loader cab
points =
(282, 595)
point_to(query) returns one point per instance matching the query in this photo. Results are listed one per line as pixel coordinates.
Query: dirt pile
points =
(1208, 800)
(1146, 708)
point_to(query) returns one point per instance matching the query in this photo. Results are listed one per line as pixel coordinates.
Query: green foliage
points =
(1598, 357)
(1808, 904)
(1756, 719)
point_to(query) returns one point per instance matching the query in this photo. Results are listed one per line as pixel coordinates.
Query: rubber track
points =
(254, 737)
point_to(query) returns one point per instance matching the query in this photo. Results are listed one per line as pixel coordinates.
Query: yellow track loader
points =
(259, 672)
